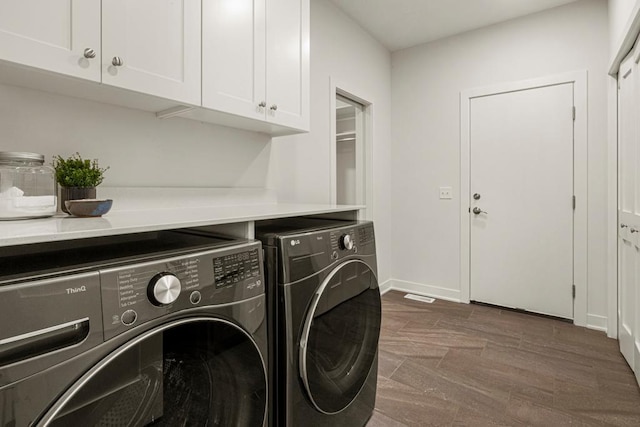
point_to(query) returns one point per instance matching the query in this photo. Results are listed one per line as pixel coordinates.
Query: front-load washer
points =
(324, 314)
(160, 328)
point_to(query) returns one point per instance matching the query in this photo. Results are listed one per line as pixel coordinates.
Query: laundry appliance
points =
(161, 328)
(324, 314)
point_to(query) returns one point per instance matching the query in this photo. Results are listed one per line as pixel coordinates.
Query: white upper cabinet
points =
(57, 35)
(287, 70)
(153, 47)
(239, 63)
(255, 59)
(233, 56)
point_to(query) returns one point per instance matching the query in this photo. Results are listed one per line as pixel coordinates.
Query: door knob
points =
(274, 107)
(623, 225)
(478, 211)
(262, 104)
(476, 196)
(117, 61)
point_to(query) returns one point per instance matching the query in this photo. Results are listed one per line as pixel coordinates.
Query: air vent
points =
(419, 298)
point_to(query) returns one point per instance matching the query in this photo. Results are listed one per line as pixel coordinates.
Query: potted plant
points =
(77, 178)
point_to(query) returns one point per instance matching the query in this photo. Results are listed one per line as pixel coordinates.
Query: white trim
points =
(628, 38)
(385, 286)
(596, 322)
(425, 290)
(612, 208)
(340, 88)
(579, 80)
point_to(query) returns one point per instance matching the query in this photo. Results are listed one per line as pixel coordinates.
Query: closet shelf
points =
(346, 136)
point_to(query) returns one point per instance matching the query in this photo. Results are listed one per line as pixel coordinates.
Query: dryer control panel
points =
(137, 293)
(309, 252)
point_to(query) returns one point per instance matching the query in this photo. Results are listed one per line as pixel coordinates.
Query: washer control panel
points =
(134, 294)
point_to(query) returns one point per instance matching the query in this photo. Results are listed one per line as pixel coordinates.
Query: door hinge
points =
(574, 113)
(573, 291)
(574, 203)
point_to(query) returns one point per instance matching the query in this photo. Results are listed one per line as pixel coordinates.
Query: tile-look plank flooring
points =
(449, 364)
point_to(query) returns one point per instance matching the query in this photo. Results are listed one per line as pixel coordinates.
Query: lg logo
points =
(295, 242)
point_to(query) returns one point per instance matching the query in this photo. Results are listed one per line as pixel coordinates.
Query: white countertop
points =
(65, 227)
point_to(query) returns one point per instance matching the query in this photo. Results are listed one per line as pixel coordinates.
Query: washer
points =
(324, 316)
(165, 328)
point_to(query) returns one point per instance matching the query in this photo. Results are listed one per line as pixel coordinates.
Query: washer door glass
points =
(340, 336)
(195, 372)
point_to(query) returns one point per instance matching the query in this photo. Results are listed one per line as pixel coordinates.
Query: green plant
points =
(78, 172)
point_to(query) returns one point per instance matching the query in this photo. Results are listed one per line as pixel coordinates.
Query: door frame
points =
(580, 179)
(341, 88)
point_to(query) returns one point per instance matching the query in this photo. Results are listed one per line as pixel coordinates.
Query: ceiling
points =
(399, 24)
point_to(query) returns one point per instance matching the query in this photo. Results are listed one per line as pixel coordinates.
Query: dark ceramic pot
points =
(75, 193)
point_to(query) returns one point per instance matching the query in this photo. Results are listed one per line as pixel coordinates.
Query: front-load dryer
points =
(324, 314)
(161, 328)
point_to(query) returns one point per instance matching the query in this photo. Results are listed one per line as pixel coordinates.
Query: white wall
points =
(140, 149)
(426, 85)
(341, 50)
(619, 14)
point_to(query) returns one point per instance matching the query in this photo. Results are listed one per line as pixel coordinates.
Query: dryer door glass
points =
(340, 337)
(196, 372)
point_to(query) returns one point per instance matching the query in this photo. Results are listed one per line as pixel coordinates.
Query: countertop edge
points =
(63, 227)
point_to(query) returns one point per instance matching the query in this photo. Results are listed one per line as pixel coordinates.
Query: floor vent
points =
(419, 298)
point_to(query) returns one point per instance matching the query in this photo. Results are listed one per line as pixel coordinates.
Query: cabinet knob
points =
(89, 53)
(262, 104)
(274, 107)
(623, 225)
(117, 61)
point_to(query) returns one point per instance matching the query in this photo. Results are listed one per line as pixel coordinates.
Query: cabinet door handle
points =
(117, 61)
(623, 225)
(274, 107)
(262, 104)
(633, 230)
(89, 53)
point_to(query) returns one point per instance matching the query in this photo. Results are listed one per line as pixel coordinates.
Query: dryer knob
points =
(346, 242)
(164, 289)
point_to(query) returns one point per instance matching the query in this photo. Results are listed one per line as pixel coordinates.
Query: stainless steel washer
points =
(164, 328)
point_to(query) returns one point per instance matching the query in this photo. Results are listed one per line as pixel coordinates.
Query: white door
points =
(233, 57)
(287, 66)
(157, 46)
(522, 171)
(628, 209)
(52, 35)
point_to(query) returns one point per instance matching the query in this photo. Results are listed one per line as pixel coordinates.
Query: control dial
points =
(164, 289)
(346, 242)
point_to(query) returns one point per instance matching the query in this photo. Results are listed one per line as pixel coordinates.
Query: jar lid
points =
(21, 156)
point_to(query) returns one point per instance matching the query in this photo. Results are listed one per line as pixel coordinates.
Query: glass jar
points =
(27, 186)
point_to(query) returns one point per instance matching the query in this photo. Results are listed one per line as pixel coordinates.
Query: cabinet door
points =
(52, 35)
(233, 56)
(158, 45)
(288, 62)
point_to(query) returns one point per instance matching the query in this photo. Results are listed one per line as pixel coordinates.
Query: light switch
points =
(446, 193)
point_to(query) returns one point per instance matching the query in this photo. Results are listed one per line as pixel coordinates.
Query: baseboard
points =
(422, 289)
(385, 286)
(598, 323)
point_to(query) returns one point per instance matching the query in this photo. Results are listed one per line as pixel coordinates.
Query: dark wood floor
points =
(449, 364)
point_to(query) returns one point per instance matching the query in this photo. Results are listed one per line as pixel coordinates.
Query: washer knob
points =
(164, 289)
(346, 242)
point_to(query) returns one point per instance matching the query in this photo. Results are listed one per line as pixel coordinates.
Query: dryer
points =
(324, 314)
(162, 328)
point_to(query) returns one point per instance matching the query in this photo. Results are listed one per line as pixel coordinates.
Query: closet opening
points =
(351, 151)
